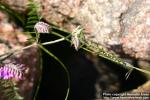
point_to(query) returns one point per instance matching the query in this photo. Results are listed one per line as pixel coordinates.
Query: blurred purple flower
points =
(42, 27)
(9, 71)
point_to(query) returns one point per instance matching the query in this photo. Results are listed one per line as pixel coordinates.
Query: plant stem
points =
(52, 42)
(128, 66)
(34, 44)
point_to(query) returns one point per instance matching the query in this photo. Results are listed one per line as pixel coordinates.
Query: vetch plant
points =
(101, 51)
(35, 26)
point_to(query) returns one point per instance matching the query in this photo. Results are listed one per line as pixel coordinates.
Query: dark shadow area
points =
(54, 81)
(82, 73)
(135, 79)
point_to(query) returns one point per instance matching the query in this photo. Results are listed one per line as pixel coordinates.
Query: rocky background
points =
(12, 38)
(107, 22)
(119, 25)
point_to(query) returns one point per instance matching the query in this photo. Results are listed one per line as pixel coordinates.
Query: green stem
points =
(129, 66)
(52, 42)
(38, 87)
(60, 29)
(61, 63)
(61, 36)
(34, 44)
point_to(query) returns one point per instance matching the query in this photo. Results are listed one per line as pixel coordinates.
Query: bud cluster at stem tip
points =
(42, 27)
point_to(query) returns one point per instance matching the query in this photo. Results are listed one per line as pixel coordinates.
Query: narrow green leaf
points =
(32, 22)
(30, 26)
(33, 18)
(32, 13)
(15, 15)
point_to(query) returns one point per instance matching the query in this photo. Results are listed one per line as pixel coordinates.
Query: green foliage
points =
(8, 87)
(17, 17)
(32, 19)
(32, 16)
(9, 90)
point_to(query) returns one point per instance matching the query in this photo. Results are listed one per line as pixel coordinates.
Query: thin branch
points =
(34, 44)
(52, 42)
(128, 66)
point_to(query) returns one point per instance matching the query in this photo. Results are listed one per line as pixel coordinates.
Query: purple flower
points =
(9, 71)
(42, 27)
